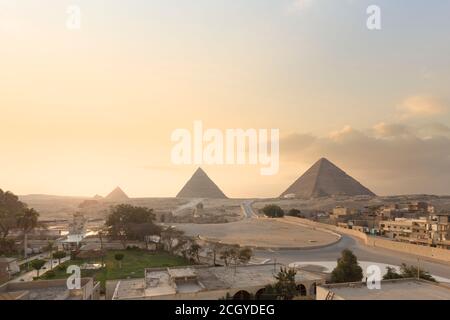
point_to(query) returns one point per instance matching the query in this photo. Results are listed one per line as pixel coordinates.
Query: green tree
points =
(294, 213)
(391, 274)
(59, 255)
(119, 257)
(27, 221)
(194, 251)
(273, 211)
(347, 269)
(10, 210)
(37, 265)
(413, 272)
(285, 287)
(245, 254)
(127, 222)
(229, 254)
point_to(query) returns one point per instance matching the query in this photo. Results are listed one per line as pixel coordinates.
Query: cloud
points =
(385, 130)
(388, 158)
(420, 106)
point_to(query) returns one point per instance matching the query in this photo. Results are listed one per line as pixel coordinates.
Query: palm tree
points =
(28, 220)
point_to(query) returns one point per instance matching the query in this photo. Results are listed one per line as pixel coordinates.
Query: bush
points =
(295, 213)
(61, 267)
(347, 269)
(273, 211)
(50, 274)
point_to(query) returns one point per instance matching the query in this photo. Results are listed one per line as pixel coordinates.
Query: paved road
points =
(31, 274)
(248, 210)
(363, 253)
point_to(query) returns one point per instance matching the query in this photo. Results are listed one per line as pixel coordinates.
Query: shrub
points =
(347, 269)
(273, 211)
(295, 213)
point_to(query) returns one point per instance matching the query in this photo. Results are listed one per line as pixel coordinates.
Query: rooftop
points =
(41, 290)
(402, 289)
(161, 282)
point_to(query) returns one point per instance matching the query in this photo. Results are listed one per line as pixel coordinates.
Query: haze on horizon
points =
(85, 111)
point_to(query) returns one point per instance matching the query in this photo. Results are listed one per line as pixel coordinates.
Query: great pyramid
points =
(201, 186)
(117, 195)
(325, 179)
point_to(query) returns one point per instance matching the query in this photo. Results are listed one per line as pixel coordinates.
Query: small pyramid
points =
(325, 179)
(97, 197)
(117, 195)
(201, 186)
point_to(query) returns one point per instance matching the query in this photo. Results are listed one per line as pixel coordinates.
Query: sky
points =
(83, 111)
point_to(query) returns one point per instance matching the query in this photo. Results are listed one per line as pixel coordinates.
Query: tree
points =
(172, 238)
(245, 254)
(27, 221)
(194, 251)
(119, 257)
(10, 209)
(273, 211)
(391, 274)
(285, 287)
(37, 265)
(127, 222)
(59, 255)
(407, 272)
(230, 254)
(347, 269)
(295, 213)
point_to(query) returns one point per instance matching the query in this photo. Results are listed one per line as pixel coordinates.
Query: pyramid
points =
(117, 195)
(201, 186)
(325, 179)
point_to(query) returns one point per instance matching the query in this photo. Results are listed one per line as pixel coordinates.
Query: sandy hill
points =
(201, 186)
(325, 179)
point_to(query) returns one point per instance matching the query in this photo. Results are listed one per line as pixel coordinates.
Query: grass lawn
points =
(133, 265)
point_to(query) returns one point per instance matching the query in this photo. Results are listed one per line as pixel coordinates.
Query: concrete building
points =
(204, 282)
(400, 227)
(400, 289)
(8, 267)
(433, 230)
(340, 211)
(50, 290)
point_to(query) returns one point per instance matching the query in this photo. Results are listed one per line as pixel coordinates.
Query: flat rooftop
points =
(402, 289)
(158, 282)
(39, 290)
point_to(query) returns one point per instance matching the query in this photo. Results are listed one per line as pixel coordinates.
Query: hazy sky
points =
(84, 111)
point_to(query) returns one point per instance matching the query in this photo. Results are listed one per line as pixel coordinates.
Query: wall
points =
(442, 255)
(423, 251)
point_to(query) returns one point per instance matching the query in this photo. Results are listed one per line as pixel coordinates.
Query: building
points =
(205, 282)
(78, 224)
(400, 289)
(340, 211)
(433, 230)
(418, 206)
(50, 290)
(8, 267)
(398, 228)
